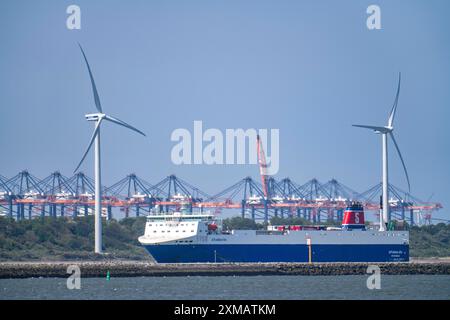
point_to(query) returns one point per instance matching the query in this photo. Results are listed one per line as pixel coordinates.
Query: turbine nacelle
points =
(376, 129)
(386, 130)
(95, 116)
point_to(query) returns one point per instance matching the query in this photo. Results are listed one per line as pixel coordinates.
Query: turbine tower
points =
(98, 118)
(385, 131)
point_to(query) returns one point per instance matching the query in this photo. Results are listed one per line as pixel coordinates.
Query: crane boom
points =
(262, 165)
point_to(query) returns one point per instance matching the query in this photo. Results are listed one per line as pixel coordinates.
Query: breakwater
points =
(148, 269)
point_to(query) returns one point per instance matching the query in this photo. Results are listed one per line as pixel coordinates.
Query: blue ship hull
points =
(277, 253)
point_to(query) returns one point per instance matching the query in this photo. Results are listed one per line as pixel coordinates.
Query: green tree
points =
(239, 223)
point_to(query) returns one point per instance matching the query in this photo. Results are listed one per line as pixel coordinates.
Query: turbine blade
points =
(394, 107)
(97, 127)
(374, 128)
(94, 87)
(123, 123)
(401, 158)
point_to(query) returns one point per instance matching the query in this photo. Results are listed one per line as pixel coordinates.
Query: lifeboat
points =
(212, 227)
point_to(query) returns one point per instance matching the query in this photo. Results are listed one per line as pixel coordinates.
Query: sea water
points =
(231, 287)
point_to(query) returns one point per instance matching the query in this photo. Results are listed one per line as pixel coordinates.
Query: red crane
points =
(262, 165)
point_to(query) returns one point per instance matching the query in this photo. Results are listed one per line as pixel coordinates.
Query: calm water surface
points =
(255, 287)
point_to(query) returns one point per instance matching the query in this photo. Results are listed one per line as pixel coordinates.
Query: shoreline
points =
(128, 268)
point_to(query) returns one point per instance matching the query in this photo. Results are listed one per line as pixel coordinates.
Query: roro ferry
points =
(182, 237)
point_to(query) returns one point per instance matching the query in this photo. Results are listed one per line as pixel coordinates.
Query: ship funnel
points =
(354, 217)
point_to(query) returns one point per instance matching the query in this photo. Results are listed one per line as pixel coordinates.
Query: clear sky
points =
(308, 68)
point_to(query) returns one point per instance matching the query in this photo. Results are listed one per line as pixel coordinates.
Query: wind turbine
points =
(385, 131)
(98, 118)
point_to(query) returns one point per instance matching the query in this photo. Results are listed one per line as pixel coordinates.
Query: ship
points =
(188, 237)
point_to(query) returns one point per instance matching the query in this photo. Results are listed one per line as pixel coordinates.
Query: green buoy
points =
(107, 276)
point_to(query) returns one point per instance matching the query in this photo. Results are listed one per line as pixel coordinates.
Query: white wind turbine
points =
(385, 131)
(98, 118)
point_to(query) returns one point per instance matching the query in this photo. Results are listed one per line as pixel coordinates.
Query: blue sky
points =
(308, 68)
